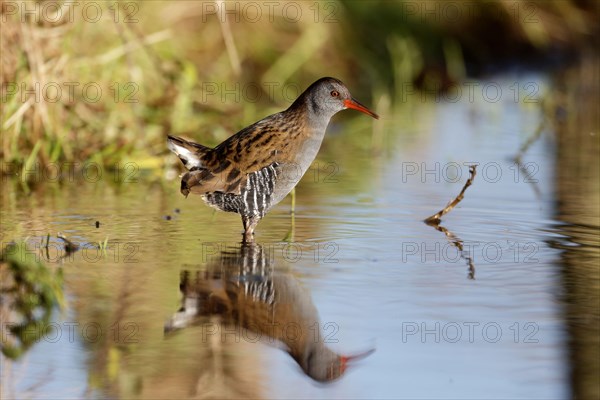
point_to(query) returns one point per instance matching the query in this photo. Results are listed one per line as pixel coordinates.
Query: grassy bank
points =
(104, 82)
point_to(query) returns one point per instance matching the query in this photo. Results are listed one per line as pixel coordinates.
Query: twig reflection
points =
(458, 243)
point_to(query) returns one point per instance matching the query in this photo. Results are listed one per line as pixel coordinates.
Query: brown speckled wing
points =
(226, 167)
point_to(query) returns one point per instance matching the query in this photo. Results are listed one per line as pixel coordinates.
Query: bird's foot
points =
(248, 237)
(249, 225)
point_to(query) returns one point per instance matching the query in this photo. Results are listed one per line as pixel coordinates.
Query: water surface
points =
(370, 273)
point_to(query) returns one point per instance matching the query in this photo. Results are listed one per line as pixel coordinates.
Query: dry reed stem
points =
(232, 52)
(120, 51)
(130, 69)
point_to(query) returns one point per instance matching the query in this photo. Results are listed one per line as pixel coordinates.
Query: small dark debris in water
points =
(177, 211)
(168, 217)
(97, 224)
(70, 247)
(436, 218)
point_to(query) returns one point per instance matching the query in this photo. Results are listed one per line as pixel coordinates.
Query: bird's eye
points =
(334, 93)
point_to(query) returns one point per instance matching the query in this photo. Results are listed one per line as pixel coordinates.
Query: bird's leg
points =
(293, 210)
(249, 225)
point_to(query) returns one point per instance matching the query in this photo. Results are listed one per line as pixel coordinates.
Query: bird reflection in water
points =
(242, 289)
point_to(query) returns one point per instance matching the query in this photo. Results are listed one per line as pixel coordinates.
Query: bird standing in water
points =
(257, 167)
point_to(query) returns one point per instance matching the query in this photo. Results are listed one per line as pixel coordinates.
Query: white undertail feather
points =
(189, 158)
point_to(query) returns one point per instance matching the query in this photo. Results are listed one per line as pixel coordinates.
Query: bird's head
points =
(323, 365)
(327, 96)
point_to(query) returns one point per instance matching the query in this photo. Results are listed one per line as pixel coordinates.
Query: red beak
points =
(345, 359)
(357, 106)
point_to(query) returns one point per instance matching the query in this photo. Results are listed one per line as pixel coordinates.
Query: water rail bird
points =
(256, 168)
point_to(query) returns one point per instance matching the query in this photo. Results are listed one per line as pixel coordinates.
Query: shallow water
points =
(377, 276)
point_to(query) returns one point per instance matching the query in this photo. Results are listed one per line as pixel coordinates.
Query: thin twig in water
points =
(48, 246)
(70, 247)
(437, 217)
